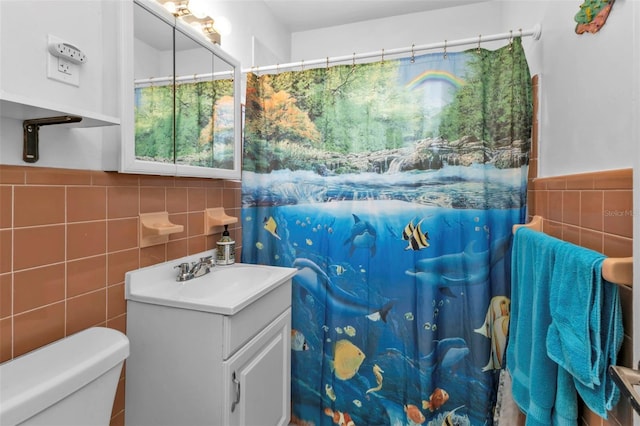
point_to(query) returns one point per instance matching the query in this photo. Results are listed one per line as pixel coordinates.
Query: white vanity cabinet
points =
(221, 359)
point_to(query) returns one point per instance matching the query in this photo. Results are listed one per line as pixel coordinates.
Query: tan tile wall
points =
(67, 237)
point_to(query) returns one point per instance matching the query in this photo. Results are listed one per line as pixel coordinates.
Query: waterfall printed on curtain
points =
(392, 187)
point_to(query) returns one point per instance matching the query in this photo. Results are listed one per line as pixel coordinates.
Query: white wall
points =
(252, 19)
(25, 27)
(586, 80)
(398, 32)
(586, 86)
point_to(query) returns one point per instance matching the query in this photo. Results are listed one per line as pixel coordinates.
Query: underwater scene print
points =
(392, 187)
(394, 322)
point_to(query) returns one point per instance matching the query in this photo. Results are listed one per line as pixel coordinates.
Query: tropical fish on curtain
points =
(392, 187)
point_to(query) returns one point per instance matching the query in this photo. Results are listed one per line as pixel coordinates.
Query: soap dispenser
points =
(226, 249)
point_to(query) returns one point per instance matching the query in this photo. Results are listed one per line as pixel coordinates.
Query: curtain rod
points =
(190, 78)
(534, 32)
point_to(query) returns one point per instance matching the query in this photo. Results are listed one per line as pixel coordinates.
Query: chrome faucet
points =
(188, 271)
(202, 267)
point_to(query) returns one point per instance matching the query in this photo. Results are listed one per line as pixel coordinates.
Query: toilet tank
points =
(69, 382)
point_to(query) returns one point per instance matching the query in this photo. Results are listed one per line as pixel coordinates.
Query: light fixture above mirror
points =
(198, 8)
(195, 12)
(177, 8)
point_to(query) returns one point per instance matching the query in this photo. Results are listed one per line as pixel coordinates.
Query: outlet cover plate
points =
(60, 69)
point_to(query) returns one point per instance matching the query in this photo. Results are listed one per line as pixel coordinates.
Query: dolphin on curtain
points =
(363, 235)
(450, 270)
(317, 282)
(466, 258)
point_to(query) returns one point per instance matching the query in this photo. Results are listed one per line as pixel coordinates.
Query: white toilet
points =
(71, 382)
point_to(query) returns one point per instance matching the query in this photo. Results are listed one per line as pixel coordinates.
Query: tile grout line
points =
(66, 254)
(13, 218)
(106, 252)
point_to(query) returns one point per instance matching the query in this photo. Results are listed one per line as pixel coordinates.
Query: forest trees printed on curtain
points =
(392, 188)
(340, 103)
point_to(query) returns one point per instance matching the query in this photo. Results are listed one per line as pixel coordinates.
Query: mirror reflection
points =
(187, 119)
(153, 56)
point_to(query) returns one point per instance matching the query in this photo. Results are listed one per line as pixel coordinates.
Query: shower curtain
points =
(392, 187)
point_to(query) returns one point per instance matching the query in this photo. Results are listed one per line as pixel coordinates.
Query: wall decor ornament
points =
(592, 15)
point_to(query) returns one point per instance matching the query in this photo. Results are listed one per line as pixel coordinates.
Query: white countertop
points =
(225, 290)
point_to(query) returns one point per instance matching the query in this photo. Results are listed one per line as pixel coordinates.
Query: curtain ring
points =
(302, 65)
(327, 62)
(520, 32)
(479, 39)
(277, 68)
(444, 55)
(413, 54)
(382, 56)
(353, 63)
(510, 39)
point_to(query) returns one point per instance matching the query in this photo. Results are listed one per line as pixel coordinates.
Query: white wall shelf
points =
(23, 108)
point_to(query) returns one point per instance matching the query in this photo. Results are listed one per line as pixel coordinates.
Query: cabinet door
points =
(205, 110)
(181, 106)
(258, 377)
(153, 150)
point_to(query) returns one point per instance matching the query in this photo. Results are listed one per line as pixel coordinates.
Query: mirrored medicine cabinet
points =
(181, 106)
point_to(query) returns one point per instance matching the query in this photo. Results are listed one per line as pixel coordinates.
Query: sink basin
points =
(235, 282)
(225, 290)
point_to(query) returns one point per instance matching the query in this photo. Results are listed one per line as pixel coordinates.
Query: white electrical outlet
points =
(60, 67)
(64, 66)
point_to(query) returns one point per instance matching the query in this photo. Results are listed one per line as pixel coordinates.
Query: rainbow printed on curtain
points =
(392, 187)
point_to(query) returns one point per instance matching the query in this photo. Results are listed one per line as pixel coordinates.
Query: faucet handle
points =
(208, 260)
(184, 271)
(184, 267)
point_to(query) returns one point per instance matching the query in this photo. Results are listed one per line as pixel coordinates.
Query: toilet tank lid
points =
(38, 379)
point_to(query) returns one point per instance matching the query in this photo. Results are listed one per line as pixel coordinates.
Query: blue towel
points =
(535, 376)
(586, 328)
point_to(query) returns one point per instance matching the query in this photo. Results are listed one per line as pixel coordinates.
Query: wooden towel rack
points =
(617, 270)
